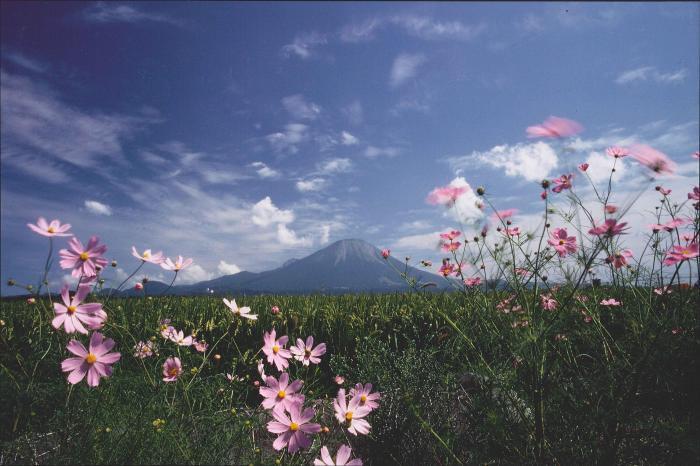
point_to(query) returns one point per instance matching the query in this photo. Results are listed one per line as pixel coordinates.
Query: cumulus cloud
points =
(287, 141)
(336, 165)
(195, 273)
(325, 234)
(421, 242)
(348, 139)
(467, 208)
(304, 45)
(98, 208)
(650, 73)
(289, 237)
(373, 152)
(298, 107)
(227, 269)
(405, 67)
(313, 184)
(533, 161)
(264, 171)
(266, 213)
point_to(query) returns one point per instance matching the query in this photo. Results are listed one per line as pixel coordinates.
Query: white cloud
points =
(405, 67)
(102, 12)
(304, 45)
(348, 139)
(265, 213)
(195, 273)
(337, 165)
(600, 165)
(227, 269)
(373, 152)
(25, 62)
(98, 208)
(354, 113)
(533, 161)
(421, 242)
(650, 73)
(314, 184)
(264, 171)
(360, 32)
(289, 237)
(288, 140)
(298, 107)
(467, 208)
(430, 29)
(325, 234)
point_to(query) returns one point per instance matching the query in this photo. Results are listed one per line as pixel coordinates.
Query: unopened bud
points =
(545, 184)
(481, 190)
(114, 263)
(11, 282)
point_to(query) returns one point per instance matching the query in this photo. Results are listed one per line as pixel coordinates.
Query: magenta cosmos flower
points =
(451, 235)
(554, 127)
(562, 183)
(242, 311)
(148, 256)
(275, 351)
(562, 242)
(351, 414)
(619, 259)
(367, 398)
(172, 368)
(654, 160)
(72, 314)
(451, 246)
(83, 260)
(617, 152)
(143, 349)
(548, 302)
(50, 229)
(608, 228)
(446, 195)
(386, 253)
(176, 266)
(292, 430)
(95, 362)
(306, 353)
(610, 302)
(341, 458)
(681, 253)
(281, 392)
(583, 167)
(472, 281)
(695, 195)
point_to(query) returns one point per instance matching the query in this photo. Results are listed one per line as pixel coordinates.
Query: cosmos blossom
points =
(548, 302)
(386, 253)
(143, 349)
(472, 281)
(341, 458)
(610, 302)
(367, 398)
(281, 392)
(351, 414)
(695, 195)
(180, 338)
(292, 430)
(617, 152)
(620, 258)
(681, 253)
(72, 314)
(50, 230)
(663, 190)
(148, 256)
(562, 242)
(83, 260)
(609, 228)
(554, 127)
(306, 353)
(172, 369)
(450, 235)
(176, 266)
(654, 160)
(446, 195)
(583, 167)
(562, 183)
(95, 362)
(241, 312)
(200, 345)
(451, 246)
(274, 348)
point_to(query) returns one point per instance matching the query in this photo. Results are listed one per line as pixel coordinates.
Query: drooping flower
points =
(147, 256)
(72, 314)
(143, 349)
(172, 369)
(180, 264)
(341, 458)
(281, 392)
(562, 242)
(83, 260)
(367, 398)
(180, 338)
(554, 127)
(609, 228)
(654, 160)
(663, 190)
(241, 312)
(472, 281)
(583, 167)
(681, 253)
(351, 414)
(446, 195)
(292, 430)
(548, 303)
(306, 353)
(610, 302)
(276, 353)
(695, 195)
(515, 231)
(617, 152)
(562, 183)
(95, 362)
(619, 259)
(54, 228)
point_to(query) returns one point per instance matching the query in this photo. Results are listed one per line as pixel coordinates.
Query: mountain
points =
(346, 266)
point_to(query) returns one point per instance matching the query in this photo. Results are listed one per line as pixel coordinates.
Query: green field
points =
(459, 382)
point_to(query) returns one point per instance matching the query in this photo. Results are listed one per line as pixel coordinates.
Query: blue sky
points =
(245, 134)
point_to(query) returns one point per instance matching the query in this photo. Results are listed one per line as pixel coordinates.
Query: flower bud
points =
(545, 184)
(114, 263)
(480, 190)
(11, 282)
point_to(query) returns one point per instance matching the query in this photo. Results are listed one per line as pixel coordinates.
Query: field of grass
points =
(461, 381)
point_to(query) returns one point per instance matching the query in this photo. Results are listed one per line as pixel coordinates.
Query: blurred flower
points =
(515, 231)
(608, 228)
(351, 414)
(446, 195)
(339, 379)
(653, 159)
(367, 398)
(681, 253)
(454, 234)
(562, 242)
(451, 246)
(583, 167)
(241, 312)
(695, 195)
(50, 229)
(72, 314)
(663, 290)
(172, 369)
(83, 261)
(138, 286)
(554, 127)
(562, 183)
(261, 369)
(167, 330)
(143, 349)
(147, 256)
(619, 259)
(95, 362)
(386, 253)
(200, 345)
(281, 392)
(548, 303)
(501, 215)
(275, 351)
(610, 302)
(292, 430)
(306, 353)
(663, 190)
(617, 152)
(472, 281)
(275, 310)
(610, 209)
(31, 300)
(341, 458)
(176, 266)
(179, 337)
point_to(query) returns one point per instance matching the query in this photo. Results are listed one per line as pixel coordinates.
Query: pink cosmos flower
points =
(696, 155)
(147, 256)
(143, 349)
(619, 259)
(663, 290)
(454, 234)
(172, 369)
(138, 286)
(306, 353)
(583, 167)
(663, 190)
(351, 414)
(501, 215)
(292, 430)
(50, 229)
(386, 253)
(653, 159)
(31, 300)
(515, 231)
(95, 362)
(522, 272)
(554, 127)
(180, 338)
(446, 195)
(176, 266)
(562, 183)
(695, 195)
(367, 398)
(543, 195)
(341, 458)
(610, 209)
(83, 261)
(200, 345)
(447, 269)
(281, 392)
(339, 379)
(610, 302)
(472, 281)
(609, 228)
(261, 370)
(451, 246)
(562, 242)
(167, 331)
(617, 152)
(681, 253)
(72, 314)
(548, 302)
(275, 310)
(241, 312)
(275, 351)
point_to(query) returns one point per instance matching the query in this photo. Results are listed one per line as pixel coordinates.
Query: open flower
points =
(351, 414)
(562, 183)
(341, 458)
(83, 260)
(472, 281)
(562, 242)
(172, 369)
(450, 235)
(281, 392)
(276, 353)
(143, 349)
(451, 246)
(446, 195)
(548, 302)
(200, 345)
(681, 253)
(292, 430)
(72, 314)
(583, 167)
(695, 195)
(554, 127)
(367, 398)
(609, 228)
(619, 259)
(147, 256)
(306, 353)
(654, 160)
(610, 302)
(180, 264)
(240, 311)
(167, 331)
(50, 229)
(94, 362)
(617, 152)
(180, 338)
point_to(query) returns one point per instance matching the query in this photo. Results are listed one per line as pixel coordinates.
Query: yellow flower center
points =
(84, 256)
(363, 398)
(51, 230)
(71, 309)
(348, 416)
(561, 241)
(146, 255)
(293, 426)
(685, 251)
(90, 358)
(281, 394)
(307, 353)
(276, 349)
(173, 372)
